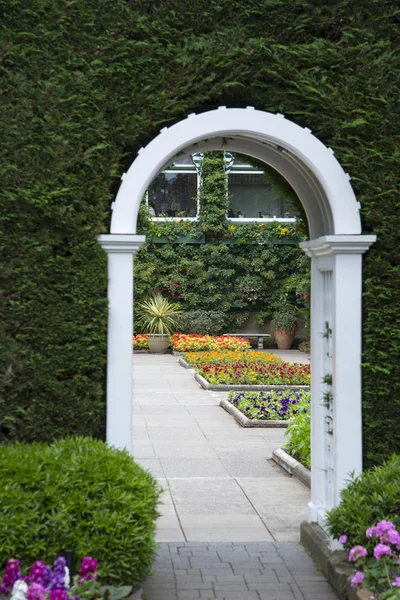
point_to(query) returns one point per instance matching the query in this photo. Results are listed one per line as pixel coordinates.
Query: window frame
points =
(245, 170)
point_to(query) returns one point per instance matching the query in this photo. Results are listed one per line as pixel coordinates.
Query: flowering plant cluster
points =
(305, 346)
(193, 342)
(230, 357)
(262, 233)
(379, 572)
(46, 583)
(140, 342)
(173, 230)
(256, 373)
(266, 406)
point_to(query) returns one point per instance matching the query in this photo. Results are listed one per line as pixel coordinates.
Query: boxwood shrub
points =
(369, 498)
(78, 493)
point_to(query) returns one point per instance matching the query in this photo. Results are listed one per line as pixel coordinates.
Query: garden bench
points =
(260, 337)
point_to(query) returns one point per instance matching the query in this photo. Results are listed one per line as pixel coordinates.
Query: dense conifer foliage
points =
(85, 84)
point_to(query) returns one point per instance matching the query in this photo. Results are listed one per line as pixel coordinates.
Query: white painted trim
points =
(325, 190)
(336, 249)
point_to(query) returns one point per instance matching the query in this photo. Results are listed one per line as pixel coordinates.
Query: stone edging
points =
(292, 466)
(245, 421)
(239, 387)
(334, 565)
(185, 364)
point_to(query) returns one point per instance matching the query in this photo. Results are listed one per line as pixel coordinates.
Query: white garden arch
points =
(336, 247)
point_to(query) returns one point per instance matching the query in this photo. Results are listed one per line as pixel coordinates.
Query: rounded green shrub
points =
(78, 493)
(367, 499)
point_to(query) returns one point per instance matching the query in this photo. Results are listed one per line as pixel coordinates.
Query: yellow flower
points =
(233, 228)
(152, 224)
(284, 230)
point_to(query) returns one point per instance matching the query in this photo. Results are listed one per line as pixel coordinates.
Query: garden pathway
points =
(230, 516)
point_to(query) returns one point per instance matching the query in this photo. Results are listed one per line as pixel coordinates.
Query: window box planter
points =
(182, 239)
(273, 240)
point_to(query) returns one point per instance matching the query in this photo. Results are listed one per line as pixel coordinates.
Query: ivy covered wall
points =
(228, 269)
(86, 84)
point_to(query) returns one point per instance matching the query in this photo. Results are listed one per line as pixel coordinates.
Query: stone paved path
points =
(236, 571)
(223, 495)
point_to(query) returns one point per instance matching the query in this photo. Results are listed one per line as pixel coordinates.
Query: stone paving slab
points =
(242, 571)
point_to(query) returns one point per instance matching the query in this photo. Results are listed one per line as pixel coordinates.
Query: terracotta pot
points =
(284, 339)
(158, 342)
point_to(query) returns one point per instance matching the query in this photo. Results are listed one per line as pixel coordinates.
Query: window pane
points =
(174, 194)
(251, 196)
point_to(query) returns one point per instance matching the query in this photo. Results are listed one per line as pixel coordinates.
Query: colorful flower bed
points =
(266, 406)
(46, 583)
(380, 570)
(140, 342)
(193, 342)
(256, 373)
(229, 356)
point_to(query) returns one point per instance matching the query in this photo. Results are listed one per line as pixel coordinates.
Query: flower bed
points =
(229, 357)
(140, 342)
(46, 583)
(270, 405)
(256, 373)
(380, 570)
(192, 342)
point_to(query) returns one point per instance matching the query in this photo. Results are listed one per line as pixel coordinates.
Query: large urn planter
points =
(158, 342)
(284, 339)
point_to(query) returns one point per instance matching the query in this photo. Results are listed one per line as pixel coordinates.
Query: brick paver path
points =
(223, 571)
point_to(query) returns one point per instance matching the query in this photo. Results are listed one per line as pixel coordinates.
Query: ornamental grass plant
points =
(267, 406)
(256, 373)
(78, 493)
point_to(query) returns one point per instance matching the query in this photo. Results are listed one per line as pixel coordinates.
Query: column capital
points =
(121, 243)
(329, 245)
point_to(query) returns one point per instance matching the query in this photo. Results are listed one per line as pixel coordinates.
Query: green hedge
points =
(80, 494)
(85, 85)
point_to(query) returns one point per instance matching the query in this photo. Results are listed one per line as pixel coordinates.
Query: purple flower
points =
(58, 595)
(37, 571)
(384, 526)
(60, 564)
(343, 539)
(396, 583)
(382, 550)
(11, 574)
(88, 568)
(358, 578)
(371, 532)
(36, 591)
(392, 537)
(357, 552)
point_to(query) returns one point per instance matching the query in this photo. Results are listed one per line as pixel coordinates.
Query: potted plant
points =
(158, 318)
(283, 325)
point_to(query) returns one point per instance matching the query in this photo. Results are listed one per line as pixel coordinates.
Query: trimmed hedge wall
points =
(85, 84)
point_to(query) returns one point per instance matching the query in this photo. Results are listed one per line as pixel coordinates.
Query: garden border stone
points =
(292, 466)
(245, 421)
(239, 387)
(185, 364)
(333, 564)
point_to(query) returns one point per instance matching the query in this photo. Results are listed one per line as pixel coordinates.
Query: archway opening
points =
(335, 247)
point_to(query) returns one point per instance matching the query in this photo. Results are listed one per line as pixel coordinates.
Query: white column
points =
(120, 250)
(336, 445)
